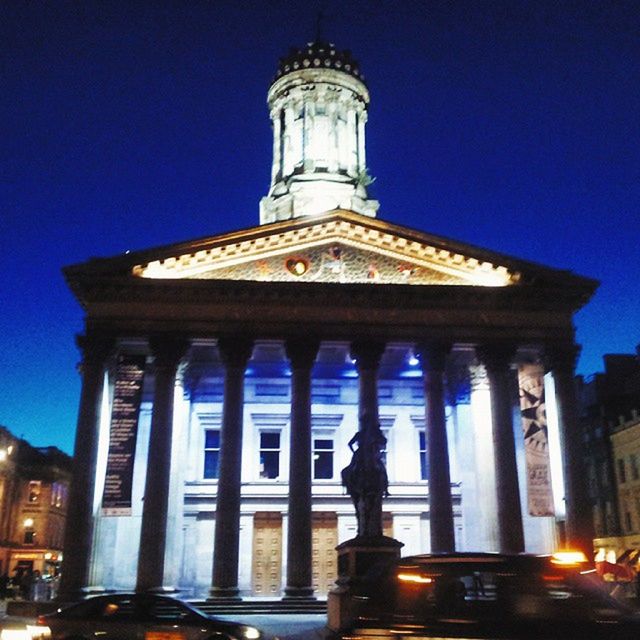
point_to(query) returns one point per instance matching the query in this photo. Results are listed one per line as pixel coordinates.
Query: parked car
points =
(484, 595)
(127, 616)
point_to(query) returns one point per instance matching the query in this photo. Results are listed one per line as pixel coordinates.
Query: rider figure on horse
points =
(365, 478)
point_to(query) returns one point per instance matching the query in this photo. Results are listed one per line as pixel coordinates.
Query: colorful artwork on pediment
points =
(333, 263)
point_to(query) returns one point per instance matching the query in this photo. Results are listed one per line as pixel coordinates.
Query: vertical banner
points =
(123, 431)
(536, 442)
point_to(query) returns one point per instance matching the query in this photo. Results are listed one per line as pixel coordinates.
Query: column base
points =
(162, 590)
(219, 594)
(299, 594)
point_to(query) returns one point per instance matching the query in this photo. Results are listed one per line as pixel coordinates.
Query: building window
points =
(322, 458)
(269, 454)
(211, 454)
(424, 460)
(58, 494)
(635, 472)
(622, 472)
(29, 536)
(628, 521)
(35, 487)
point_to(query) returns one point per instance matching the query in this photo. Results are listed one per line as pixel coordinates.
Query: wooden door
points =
(324, 556)
(266, 567)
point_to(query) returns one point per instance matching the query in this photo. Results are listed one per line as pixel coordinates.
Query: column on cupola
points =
(302, 353)
(235, 352)
(307, 133)
(332, 118)
(291, 155)
(497, 360)
(433, 356)
(167, 352)
(96, 349)
(276, 167)
(579, 524)
(362, 160)
(352, 142)
(367, 355)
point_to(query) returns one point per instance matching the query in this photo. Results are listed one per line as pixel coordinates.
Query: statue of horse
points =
(365, 478)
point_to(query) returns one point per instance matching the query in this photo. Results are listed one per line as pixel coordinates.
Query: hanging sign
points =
(536, 442)
(123, 431)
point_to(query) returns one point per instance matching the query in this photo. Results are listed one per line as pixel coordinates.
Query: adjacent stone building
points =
(34, 489)
(223, 378)
(610, 404)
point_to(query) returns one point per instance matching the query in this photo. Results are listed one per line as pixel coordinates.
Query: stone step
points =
(262, 606)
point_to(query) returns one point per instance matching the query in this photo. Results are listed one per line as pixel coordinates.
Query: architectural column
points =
(96, 349)
(167, 352)
(302, 354)
(367, 355)
(235, 352)
(579, 523)
(497, 361)
(433, 357)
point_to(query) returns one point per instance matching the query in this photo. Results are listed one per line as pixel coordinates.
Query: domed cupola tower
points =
(318, 106)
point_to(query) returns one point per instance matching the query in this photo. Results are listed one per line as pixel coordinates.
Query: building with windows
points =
(34, 488)
(610, 404)
(224, 377)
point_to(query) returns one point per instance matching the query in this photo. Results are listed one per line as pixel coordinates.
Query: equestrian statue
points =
(365, 477)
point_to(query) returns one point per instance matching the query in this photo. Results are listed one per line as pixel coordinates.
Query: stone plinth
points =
(355, 558)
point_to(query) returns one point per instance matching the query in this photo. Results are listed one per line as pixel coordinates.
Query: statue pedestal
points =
(355, 558)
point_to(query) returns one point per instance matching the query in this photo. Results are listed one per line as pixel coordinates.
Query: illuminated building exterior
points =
(263, 346)
(34, 488)
(610, 416)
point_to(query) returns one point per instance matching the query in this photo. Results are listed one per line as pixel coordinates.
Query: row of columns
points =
(235, 352)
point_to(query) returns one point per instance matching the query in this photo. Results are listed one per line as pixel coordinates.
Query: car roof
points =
(515, 561)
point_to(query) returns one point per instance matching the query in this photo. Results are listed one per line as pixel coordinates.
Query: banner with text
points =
(536, 442)
(123, 431)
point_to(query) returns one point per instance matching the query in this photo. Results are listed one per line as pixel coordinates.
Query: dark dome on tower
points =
(319, 55)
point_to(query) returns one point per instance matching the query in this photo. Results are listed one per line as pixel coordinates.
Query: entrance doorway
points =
(266, 567)
(324, 557)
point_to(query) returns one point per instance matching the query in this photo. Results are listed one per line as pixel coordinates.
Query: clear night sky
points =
(125, 125)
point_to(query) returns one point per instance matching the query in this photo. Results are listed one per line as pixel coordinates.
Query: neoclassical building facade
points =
(222, 379)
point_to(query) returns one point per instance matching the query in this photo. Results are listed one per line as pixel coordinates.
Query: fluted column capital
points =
(235, 350)
(168, 350)
(561, 356)
(302, 352)
(95, 348)
(496, 356)
(433, 354)
(367, 353)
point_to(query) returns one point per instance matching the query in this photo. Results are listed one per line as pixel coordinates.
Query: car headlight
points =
(250, 633)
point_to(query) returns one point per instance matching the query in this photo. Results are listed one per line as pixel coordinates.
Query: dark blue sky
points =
(511, 125)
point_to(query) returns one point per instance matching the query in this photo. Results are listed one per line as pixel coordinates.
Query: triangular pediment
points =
(339, 247)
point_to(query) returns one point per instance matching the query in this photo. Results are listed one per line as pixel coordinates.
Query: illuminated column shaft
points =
(95, 350)
(367, 355)
(235, 352)
(167, 352)
(433, 357)
(497, 360)
(302, 354)
(579, 521)
(486, 536)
